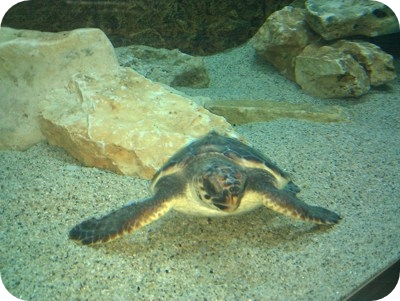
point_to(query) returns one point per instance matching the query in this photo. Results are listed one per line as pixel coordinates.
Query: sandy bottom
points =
(352, 168)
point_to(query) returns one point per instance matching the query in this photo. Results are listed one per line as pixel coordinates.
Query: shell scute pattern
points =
(231, 148)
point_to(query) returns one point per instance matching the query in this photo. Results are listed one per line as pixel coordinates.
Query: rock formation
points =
(295, 41)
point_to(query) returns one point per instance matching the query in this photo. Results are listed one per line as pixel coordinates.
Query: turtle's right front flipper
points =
(119, 222)
(130, 217)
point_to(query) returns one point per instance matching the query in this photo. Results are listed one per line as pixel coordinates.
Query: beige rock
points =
(377, 63)
(346, 18)
(282, 37)
(124, 122)
(245, 111)
(102, 114)
(170, 67)
(32, 64)
(325, 71)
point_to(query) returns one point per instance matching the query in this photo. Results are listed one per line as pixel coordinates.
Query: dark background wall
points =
(193, 26)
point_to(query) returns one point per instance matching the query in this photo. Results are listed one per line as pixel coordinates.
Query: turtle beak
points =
(233, 202)
(229, 201)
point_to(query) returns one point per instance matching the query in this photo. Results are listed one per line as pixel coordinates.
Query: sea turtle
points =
(212, 176)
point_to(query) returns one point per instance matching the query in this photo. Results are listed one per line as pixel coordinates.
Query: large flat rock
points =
(124, 122)
(69, 88)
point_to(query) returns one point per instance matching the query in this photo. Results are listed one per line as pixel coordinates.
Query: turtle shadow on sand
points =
(189, 236)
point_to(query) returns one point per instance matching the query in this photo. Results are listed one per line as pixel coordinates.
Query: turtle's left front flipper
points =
(126, 219)
(285, 201)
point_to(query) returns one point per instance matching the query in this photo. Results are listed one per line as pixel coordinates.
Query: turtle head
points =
(221, 186)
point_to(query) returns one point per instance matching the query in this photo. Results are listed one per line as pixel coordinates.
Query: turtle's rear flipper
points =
(119, 222)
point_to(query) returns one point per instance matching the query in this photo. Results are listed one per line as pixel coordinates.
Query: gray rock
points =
(328, 72)
(343, 69)
(377, 63)
(346, 18)
(170, 67)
